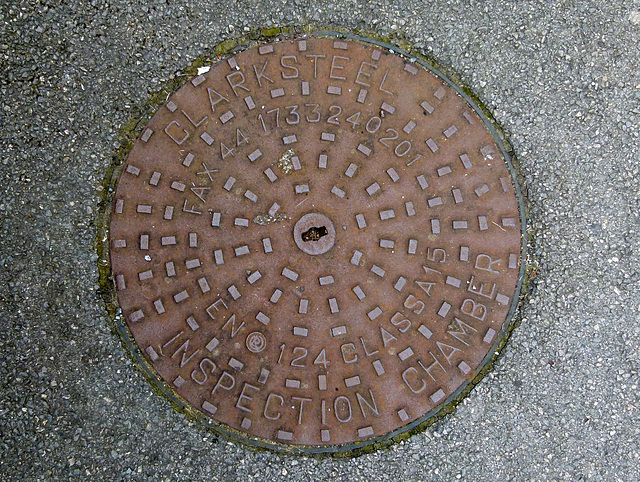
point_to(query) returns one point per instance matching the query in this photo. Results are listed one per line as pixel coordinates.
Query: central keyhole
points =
(314, 233)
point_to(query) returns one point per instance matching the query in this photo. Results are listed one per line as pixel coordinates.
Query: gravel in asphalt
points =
(563, 80)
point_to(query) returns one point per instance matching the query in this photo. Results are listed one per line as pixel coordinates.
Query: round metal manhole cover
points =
(317, 243)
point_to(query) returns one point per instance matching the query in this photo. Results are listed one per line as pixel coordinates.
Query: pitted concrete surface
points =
(563, 79)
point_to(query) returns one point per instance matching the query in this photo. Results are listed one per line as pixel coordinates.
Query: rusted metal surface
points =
(316, 242)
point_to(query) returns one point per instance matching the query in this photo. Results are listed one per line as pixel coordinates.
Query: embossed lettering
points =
(294, 69)
(314, 60)
(241, 138)
(242, 397)
(218, 97)
(458, 328)
(362, 72)
(180, 138)
(411, 373)
(195, 124)
(215, 306)
(202, 365)
(321, 359)
(300, 354)
(261, 75)
(349, 353)
(447, 350)
(414, 304)
(370, 404)
(336, 66)
(166, 344)
(434, 365)
(191, 210)
(292, 117)
(301, 400)
(323, 406)
(226, 151)
(237, 75)
(485, 263)
(474, 309)
(269, 412)
(342, 409)
(366, 351)
(386, 337)
(400, 322)
(392, 137)
(208, 172)
(479, 288)
(403, 148)
(335, 111)
(316, 117)
(199, 192)
(381, 87)
(232, 320)
(230, 382)
(184, 348)
(426, 286)
(437, 255)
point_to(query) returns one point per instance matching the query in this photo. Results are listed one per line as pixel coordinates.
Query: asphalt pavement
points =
(562, 79)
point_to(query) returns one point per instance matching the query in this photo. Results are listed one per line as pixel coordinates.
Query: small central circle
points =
(314, 233)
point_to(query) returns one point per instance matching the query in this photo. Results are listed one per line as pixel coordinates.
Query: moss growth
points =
(271, 32)
(401, 45)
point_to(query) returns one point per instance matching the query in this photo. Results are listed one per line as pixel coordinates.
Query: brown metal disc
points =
(316, 243)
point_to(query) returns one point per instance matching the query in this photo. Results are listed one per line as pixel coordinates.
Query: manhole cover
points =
(317, 243)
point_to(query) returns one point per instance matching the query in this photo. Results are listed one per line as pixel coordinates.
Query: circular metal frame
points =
(324, 243)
